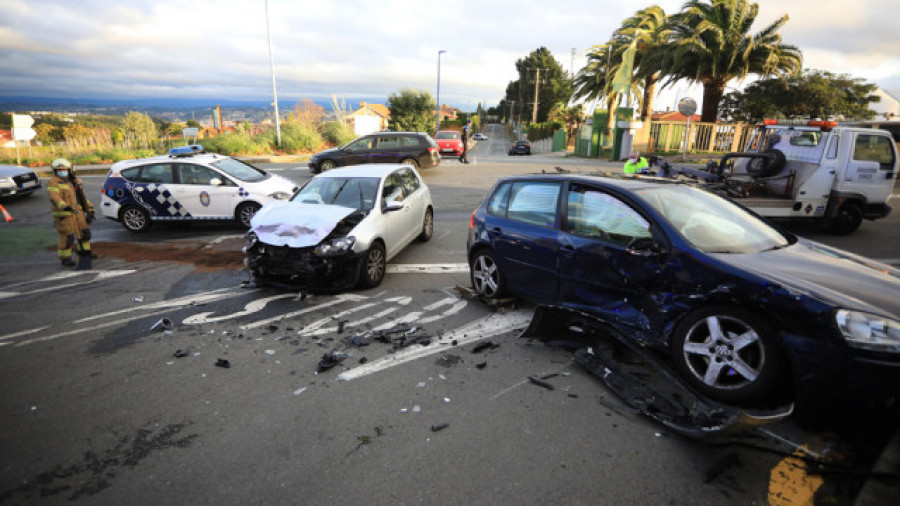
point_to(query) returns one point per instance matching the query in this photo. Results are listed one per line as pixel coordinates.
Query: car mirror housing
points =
(644, 246)
(393, 206)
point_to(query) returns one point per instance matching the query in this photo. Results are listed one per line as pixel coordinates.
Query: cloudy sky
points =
(217, 49)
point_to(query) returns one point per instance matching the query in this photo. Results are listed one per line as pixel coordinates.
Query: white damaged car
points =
(340, 229)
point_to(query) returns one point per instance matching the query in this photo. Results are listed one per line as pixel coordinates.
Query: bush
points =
(337, 133)
(236, 144)
(297, 138)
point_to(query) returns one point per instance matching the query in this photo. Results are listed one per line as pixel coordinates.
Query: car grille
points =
(23, 179)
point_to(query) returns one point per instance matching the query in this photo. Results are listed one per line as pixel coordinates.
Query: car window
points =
(874, 148)
(833, 147)
(711, 223)
(361, 144)
(410, 181)
(160, 173)
(447, 135)
(393, 189)
(499, 201)
(355, 192)
(597, 215)
(534, 202)
(239, 170)
(189, 173)
(408, 141)
(388, 142)
(131, 173)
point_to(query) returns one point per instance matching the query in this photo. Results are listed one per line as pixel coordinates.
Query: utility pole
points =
(537, 83)
(572, 65)
(274, 91)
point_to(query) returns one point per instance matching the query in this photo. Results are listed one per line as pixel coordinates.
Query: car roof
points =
(198, 158)
(629, 183)
(364, 170)
(13, 170)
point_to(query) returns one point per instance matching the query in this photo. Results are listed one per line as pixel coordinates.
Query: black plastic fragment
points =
(487, 345)
(223, 363)
(330, 360)
(482, 365)
(181, 353)
(440, 426)
(540, 383)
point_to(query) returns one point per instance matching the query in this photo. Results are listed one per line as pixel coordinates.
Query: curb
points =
(878, 490)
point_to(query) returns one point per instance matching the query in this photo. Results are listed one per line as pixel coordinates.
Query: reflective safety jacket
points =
(62, 195)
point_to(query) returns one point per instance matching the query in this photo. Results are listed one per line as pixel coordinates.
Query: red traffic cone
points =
(6, 214)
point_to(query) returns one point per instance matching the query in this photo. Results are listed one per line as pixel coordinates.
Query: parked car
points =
(417, 149)
(16, 180)
(340, 229)
(480, 137)
(450, 142)
(746, 312)
(187, 185)
(522, 147)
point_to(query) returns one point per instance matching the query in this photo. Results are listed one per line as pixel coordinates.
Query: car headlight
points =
(6, 181)
(869, 331)
(335, 247)
(280, 195)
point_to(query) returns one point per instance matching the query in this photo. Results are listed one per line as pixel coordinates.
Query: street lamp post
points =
(437, 127)
(274, 91)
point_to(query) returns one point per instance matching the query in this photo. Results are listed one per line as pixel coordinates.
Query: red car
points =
(449, 142)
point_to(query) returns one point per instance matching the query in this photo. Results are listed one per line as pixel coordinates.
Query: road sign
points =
(22, 121)
(190, 131)
(687, 106)
(23, 134)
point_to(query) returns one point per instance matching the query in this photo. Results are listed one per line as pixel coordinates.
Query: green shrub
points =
(235, 144)
(337, 133)
(296, 138)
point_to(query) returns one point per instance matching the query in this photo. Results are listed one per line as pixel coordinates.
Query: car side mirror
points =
(215, 181)
(393, 206)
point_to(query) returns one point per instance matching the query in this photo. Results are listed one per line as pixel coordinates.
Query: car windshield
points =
(355, 192)
(447, 135)
(711, 223)
(239, 170)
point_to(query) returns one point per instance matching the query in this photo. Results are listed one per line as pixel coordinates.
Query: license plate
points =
(29, 184)
(447, 150)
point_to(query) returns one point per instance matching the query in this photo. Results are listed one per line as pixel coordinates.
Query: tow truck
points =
(811, 170)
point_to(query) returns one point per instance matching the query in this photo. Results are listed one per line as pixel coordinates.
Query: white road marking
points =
(349, 297)
(416, 316)
(251, 307)
(154, 309)
(489, 326)
(98, 276)
(426, 268)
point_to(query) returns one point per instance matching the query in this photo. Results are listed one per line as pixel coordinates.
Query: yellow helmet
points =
(61, 163)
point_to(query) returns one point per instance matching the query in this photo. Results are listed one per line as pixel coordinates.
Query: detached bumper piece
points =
(300, 268)
(643, 380)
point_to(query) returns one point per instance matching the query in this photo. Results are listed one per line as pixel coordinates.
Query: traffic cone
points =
(6, 214)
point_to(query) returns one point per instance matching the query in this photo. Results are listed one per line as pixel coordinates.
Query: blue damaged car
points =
(743, 311)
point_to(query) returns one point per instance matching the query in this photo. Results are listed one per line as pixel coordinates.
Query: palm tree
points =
(649, 30)
(594, 80)
(711, 45)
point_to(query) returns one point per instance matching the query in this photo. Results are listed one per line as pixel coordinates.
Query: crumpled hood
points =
(841, 278)
(295, 224)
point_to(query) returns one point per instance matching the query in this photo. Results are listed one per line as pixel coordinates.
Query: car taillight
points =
(432, 150)
(472, 220)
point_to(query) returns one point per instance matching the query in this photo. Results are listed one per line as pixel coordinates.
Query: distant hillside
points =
(151, 105)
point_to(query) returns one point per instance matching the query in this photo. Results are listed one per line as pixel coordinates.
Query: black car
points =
(411, 148)
(522, 147)
(745, 312)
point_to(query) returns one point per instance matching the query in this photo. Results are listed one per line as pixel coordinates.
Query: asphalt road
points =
(98, 409)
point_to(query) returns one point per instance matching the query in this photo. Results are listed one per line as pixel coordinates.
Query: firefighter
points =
(72, 212)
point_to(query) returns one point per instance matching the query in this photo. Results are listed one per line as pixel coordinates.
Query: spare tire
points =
(768, 166)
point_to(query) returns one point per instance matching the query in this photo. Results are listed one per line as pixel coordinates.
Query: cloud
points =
(218, 49)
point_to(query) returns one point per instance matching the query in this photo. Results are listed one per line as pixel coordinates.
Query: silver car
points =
(16, 180)
(340, 229)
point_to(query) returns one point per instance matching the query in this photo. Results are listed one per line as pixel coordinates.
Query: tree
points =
(139, 130)
(309, 113)
(812, 94)
(192, 123)
(411, 111)
(554, 85)
(594, 80)
(572, 117)
(649, 30)
(711, 45)
(48, 133)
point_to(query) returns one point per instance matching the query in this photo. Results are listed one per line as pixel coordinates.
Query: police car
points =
(188, 185)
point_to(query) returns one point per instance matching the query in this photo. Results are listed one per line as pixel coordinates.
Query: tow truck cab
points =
(838, 175)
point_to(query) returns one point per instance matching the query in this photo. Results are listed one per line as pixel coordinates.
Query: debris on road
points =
(540, 383)
(182, 353)
(223, 363)
(163, 324)
(487, 345)
(330, 360)
(439, 427)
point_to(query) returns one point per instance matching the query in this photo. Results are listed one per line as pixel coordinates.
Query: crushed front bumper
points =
(301, 268)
